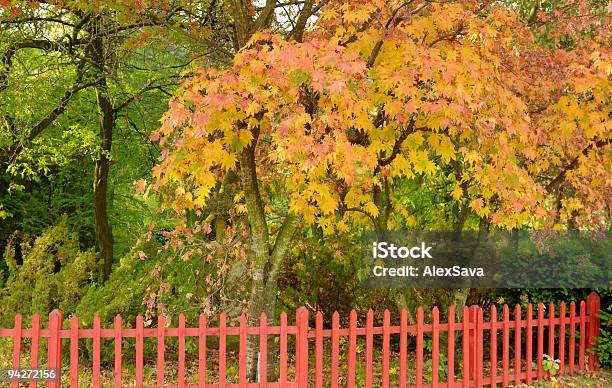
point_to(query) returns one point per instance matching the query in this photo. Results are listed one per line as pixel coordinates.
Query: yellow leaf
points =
(328, 205)
(472, 157)
(446, 149)
(309, 214)
(371, 209)
(457, 192)
(238, 197)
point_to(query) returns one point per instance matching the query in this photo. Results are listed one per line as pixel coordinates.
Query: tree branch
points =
(6, 61)
(37, 19)
(398, 144)
(150, 86)
(379, 43)
(51, 116)
(298, 31)
(282, 243)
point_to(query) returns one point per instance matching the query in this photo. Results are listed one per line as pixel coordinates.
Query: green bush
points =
(51, 272)
(604, 343)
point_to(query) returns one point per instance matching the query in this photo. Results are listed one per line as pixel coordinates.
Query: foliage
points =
(323, 274)
(52, 273)
(550, 365)
(295, 128)
(604, 343)
(428, 365)
(153, 281)
(294, 101)
(536, 296)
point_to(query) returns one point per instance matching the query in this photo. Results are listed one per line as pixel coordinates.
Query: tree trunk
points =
(104, 237)
(265, 262)
(263, 300)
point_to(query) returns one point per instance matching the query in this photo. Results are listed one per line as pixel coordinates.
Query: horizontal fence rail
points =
(470, 345)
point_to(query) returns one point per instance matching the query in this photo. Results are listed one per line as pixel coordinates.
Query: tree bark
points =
(265, 263)
(104, 236)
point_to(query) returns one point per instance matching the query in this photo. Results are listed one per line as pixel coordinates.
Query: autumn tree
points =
(377, 92)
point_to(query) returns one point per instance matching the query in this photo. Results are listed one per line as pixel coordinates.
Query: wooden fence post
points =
(161, 350)
(302, 347)
(472, 318)
(74, 351)
(35, 344)
(17, 333)
(593, 309)
(476, 344)
(55, 345)
(465, 357)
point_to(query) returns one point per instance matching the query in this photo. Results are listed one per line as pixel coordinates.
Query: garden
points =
(190, 190)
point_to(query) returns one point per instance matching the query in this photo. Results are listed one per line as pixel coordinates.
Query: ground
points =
(599, 379)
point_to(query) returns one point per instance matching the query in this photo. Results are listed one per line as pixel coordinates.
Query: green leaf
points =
(299, 77)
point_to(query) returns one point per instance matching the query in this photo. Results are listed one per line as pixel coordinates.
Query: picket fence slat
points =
(582, 336)
(17, 346)
(451, 347)
(161, 347)
(479, 346)
(302, 349)
(96, 352)
(181, 352)
(118, 351)
(369, 342)
(540, 341)
(202, 350)
(472, 328)
(352, 355)
(562, 338)
(54, 350)
(572, 342)
(551, 330)
(283, 351)
(517, 344)
(493, 345)
(74, 351)
(465, 317)
(139, 350)
(222, 350)
(419, 350)
(529, 344)
(35, 343)
(335, 349)
(385, 348)
(243, 351)
(435, 317)
(319, 351)
(506, 346)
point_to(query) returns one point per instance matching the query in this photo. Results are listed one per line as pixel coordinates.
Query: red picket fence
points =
(472, 330)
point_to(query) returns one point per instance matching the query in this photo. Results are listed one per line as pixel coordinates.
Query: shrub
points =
(604, 343)
(50, 272)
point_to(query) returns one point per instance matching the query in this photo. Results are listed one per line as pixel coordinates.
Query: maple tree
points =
(377, 92)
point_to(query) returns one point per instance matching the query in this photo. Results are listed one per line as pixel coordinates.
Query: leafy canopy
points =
(377, 93)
